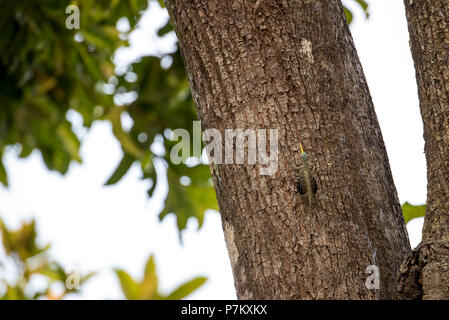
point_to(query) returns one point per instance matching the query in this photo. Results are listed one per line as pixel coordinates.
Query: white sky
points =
(96, 228)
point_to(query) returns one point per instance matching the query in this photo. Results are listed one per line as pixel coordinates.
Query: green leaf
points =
(53, 271)
(130, 287)
(3, 174)
(13, 293)
(150, 267)
(92, 66)
(21, 241)
(189, 200)
(411, 212)
(100, 38)
(121, 170)
(364, 6)
(187, 288)
(149, 285)
(349, 16)
(69, 140)
(165, 29)
(87, 276)
(124, 137)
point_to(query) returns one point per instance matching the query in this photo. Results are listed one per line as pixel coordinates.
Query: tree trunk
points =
(426, 273)
(292, 65)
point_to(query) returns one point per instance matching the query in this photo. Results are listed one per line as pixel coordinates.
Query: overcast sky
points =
(94, 228)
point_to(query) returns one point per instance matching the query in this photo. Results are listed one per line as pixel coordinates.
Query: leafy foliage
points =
(411, 212)
(195, 197)
(47, 70)
(147, 288)
(363, 5)
(31, 260)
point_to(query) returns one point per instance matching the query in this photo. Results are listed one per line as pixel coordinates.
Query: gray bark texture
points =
(425, 274)
(292, 66)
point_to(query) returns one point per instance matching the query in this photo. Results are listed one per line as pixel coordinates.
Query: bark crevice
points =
(425, 272)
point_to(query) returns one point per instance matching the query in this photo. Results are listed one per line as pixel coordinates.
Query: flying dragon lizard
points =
(306, 184)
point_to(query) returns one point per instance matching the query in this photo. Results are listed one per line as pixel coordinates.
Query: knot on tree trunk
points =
(426, 269)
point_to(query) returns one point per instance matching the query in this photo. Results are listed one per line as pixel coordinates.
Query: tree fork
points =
(292, 65)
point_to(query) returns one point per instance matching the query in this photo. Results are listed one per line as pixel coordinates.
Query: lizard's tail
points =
(310, 198)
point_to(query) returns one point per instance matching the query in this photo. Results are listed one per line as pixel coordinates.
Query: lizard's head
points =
(304, 156)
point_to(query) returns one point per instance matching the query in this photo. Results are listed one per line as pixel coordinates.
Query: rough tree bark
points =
(292, 65)
(425, 274)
